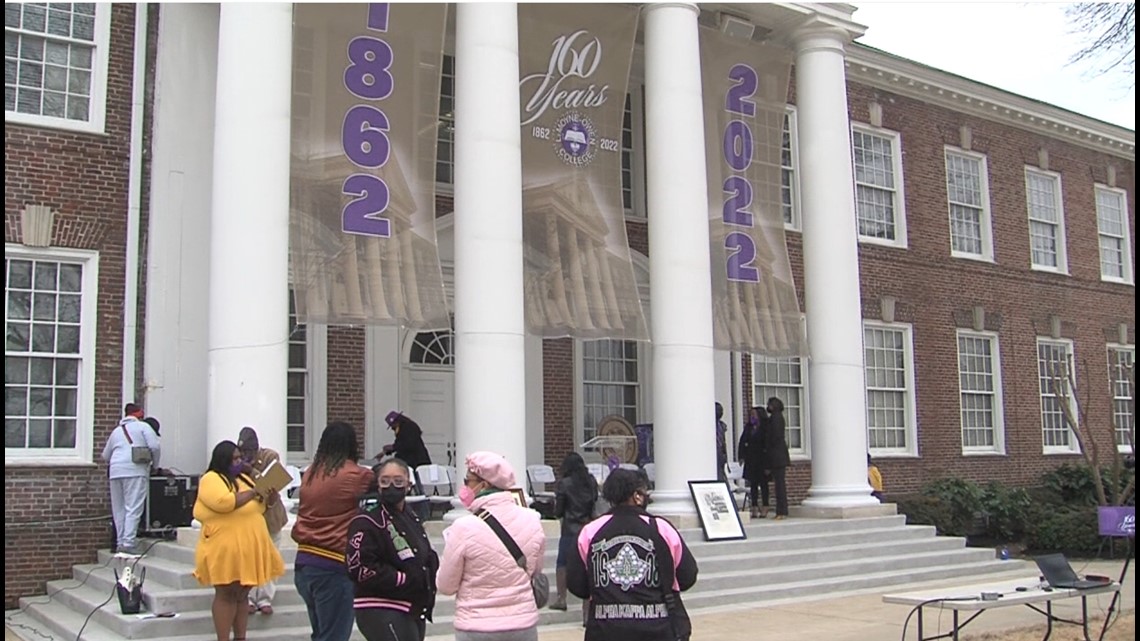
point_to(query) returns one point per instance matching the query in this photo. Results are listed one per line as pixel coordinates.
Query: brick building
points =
(995, 233)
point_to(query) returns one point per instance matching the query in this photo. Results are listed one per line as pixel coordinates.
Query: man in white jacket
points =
(130, 480)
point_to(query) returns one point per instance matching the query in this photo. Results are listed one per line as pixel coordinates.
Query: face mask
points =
(393, 495)
(236, 468)
(466, 496)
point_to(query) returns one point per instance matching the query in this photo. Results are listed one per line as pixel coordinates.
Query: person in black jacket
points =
(409, 444)
(633, 567)
(751, 453)
(776, 459)
(574, 499)
(391, 562)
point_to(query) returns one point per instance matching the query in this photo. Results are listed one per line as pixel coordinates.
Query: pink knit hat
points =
(493, 468)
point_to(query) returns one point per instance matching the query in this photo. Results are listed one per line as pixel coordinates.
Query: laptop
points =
(1059, 574)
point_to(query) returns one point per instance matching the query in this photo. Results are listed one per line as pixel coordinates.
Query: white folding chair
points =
(295, 473)
(734, 472)
(599, 471)
(628, 466)
(650, 470)
(437, 482)
(537, 478)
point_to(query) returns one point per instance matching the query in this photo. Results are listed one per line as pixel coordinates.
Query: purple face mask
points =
(236, 468)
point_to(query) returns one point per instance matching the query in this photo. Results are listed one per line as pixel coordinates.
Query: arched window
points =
(432, 348)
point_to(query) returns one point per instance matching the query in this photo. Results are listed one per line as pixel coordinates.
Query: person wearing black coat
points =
(776, 458)
(574, 500)
(750, 453)
(409, 444)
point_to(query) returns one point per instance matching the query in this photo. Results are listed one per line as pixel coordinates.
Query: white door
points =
(430, 401)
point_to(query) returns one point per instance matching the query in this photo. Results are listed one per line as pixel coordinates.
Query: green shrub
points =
(1073, 483)
(951, 505)
(1006, 510)
(1071, 529)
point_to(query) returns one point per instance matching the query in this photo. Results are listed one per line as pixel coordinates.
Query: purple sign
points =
(1117, 521)
(737, 146)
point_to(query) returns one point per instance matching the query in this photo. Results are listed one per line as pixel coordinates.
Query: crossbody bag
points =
(539, 584)
(140, 454)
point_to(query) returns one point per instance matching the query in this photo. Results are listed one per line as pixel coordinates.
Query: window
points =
(1112, 230)
(298, 381)
(49, 354)
(433, 348)
(789, 179)
(445, 138)
(1121, 360)
(1046, 221)
(627, 154)
(888, 362)
(784, 379)
(967, 190)
(610, 383)
(632, 152)
(1055, 358)
(979, 383)
(55, 64)
(878, 186)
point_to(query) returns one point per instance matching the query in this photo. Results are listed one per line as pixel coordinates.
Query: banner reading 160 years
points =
(745, 88)
(574, 65)
(362, 204)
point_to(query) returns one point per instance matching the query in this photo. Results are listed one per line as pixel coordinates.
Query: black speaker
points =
(170, 505)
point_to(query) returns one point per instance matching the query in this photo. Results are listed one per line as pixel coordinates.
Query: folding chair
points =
(599, 471)
(538, 477)
(734, 471)
(437, 482)
(650, 470)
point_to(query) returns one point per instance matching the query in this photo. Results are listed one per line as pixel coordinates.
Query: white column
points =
(249, 225)
(681, 320)
(490, 381)
(831, 273)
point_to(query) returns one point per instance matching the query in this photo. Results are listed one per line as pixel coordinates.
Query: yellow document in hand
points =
(272, 479)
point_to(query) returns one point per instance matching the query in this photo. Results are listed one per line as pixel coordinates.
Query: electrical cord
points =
(115, 587)
(941, 600)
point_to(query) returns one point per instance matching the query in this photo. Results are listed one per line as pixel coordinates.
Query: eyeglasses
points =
(399, 481)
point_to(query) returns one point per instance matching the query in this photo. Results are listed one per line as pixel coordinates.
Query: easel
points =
(1117, 530)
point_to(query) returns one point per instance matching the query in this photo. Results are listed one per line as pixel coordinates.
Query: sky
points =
(1020, 47)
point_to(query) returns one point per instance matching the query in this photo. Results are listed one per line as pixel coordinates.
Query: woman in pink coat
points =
(493, 599)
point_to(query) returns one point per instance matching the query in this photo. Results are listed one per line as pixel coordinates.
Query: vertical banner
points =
(745, 87)
(366, 80)
(574, 69)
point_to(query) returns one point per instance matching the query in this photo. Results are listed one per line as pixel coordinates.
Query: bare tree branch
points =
(1109, 32)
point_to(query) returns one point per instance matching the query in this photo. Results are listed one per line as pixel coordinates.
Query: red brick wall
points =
(83, 178)
(345, 372)
(558, 399)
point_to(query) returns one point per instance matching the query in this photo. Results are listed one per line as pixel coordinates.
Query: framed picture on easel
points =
(717, 509)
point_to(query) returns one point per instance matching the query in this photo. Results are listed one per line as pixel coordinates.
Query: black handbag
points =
(539, 584)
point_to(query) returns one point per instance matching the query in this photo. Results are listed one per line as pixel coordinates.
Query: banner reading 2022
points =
(574, 67)
(366, 82)
(745, 88)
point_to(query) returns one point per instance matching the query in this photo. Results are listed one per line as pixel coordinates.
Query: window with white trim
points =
(1046, 221)
(967, 193)
(611, 382)
(888, 362)
(633, 152)
(1112, 233)
(877, 157)
(784, 379)
(789, 178)
(979, 385)
(1055, 359)
(306, 386)
(1121, 360)
(49, 353)
(55, 64)
(445, 136)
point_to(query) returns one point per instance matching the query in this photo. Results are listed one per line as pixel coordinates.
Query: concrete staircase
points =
(796, 559)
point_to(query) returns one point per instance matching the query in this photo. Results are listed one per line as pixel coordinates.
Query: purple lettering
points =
(371, 198)
(736, 207)
(378, 16)
(364, 136)
(741, 255)
(367, 74)
(737, 99)
(738, 145)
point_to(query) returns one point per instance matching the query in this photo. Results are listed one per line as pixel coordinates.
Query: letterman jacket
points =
(391, 560)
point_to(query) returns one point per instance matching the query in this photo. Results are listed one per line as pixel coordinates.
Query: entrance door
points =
(428, 392)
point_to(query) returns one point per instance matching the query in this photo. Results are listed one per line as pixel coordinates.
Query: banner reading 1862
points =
(574, 66)
(745, 88)
(362, 204)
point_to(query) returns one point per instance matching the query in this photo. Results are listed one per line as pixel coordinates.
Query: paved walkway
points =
(856, 617)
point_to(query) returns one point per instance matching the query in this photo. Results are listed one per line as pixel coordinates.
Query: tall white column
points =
(831, 273)
(490, 381)
(680, 310)
(249, 225)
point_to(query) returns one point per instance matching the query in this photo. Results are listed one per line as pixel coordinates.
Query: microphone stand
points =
(1116, 595)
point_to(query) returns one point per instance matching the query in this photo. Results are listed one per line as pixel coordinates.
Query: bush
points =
(951, 505)
(1071, 529)
(1006, 510)
(1074, 484)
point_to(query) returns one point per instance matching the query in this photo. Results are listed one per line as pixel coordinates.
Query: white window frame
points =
(446, 188)
(97, 107)
(1111, 348)
(900, 239)
(1128, 277)
(985, 216)
(998, 405)
(316, 392)
(800, 453)
(82, 453)
(644, 389)
(1074, 446)
(1062, 238)
(911, 413)
(637, 167)
(794, 137)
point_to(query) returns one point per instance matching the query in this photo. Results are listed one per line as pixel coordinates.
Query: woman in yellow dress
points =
(234, 550)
